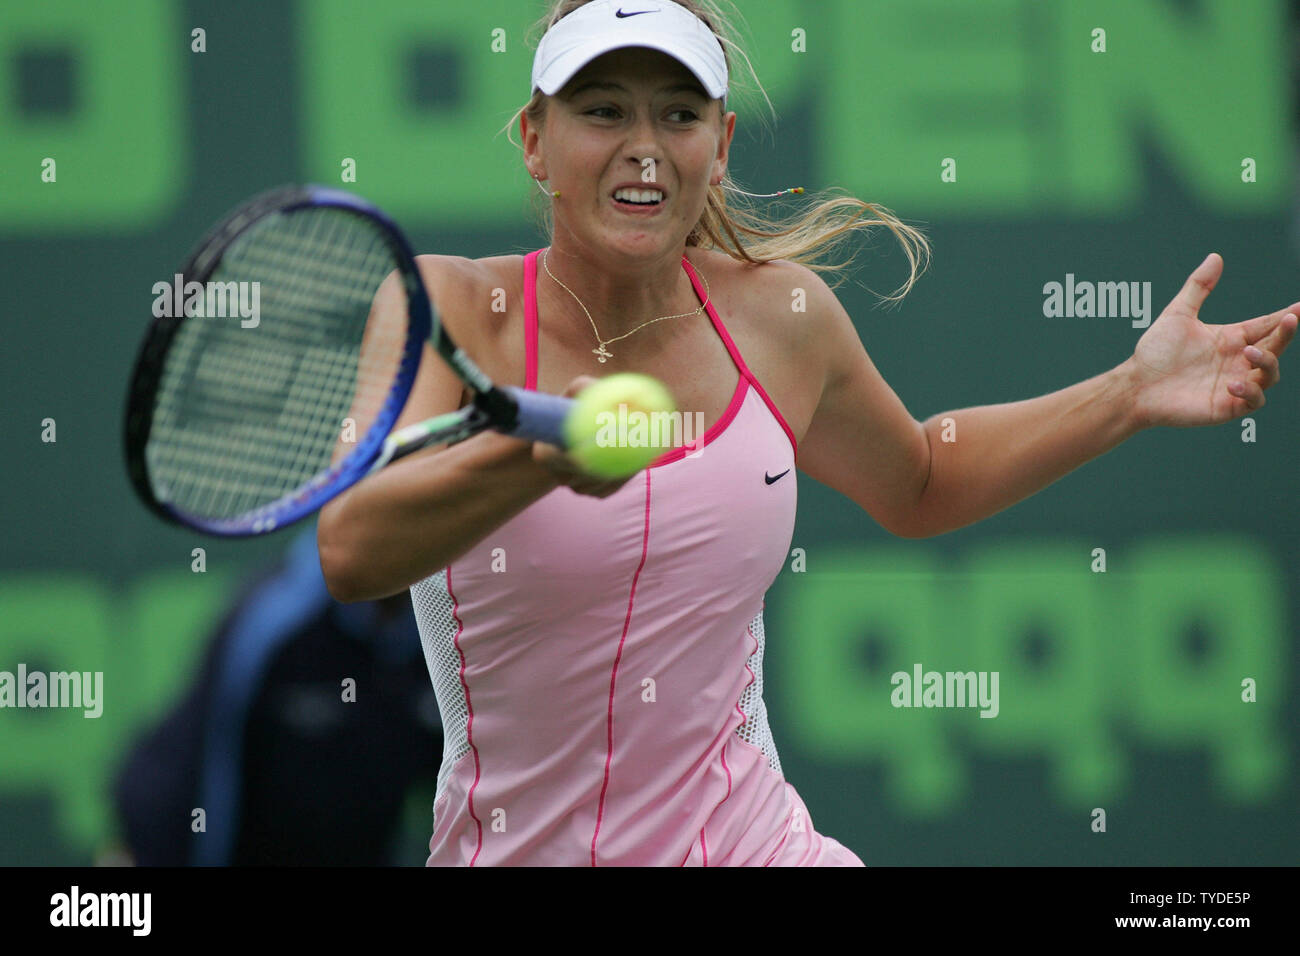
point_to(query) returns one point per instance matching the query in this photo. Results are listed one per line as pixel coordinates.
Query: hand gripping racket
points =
(242, 420)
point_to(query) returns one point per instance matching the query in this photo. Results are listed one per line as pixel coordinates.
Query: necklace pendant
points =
(601, 354)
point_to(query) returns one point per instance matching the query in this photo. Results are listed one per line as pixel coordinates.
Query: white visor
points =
(603, 25)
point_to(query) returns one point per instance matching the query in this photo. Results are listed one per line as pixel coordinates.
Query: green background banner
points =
(1119, 689)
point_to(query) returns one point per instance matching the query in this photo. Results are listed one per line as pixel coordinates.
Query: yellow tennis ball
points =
(612, 429)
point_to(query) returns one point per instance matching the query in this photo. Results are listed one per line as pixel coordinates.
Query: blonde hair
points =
(731, 222)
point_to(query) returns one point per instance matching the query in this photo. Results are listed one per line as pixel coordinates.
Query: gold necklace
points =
(600, 351)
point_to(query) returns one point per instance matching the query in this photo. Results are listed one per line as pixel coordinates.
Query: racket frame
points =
(376, 447)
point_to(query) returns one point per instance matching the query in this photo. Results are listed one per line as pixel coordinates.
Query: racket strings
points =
(317, 305)
(247, 413)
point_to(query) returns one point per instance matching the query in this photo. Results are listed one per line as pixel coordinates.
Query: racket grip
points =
(541, 415)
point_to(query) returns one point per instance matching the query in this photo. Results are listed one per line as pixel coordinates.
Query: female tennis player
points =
(598, 656)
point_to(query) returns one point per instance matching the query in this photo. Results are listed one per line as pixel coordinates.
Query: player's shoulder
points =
(471, 295)
(791, 282)
(760, 280)
(460, 277)
(779, 296)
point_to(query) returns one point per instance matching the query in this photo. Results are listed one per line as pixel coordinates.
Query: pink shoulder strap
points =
(735, 353)
(530, 320)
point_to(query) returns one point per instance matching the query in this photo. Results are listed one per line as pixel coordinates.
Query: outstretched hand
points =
(1189, 373)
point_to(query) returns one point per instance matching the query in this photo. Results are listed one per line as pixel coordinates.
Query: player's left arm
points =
(861, 440)
(958, 467)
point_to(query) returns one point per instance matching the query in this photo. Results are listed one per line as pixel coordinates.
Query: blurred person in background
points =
(288, 765)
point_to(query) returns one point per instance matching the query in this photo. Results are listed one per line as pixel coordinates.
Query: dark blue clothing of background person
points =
(286, 770)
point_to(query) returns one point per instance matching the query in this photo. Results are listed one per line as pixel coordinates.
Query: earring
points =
(545, 191)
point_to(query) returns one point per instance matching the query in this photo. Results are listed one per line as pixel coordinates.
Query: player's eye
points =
(683, 116)
(603, 112)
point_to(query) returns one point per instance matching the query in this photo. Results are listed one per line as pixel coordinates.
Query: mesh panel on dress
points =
(433, 613)
(755, 729)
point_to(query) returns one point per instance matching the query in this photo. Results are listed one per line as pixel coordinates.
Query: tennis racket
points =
(244, 418)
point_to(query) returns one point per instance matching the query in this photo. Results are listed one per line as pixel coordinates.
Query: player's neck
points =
(618, 300)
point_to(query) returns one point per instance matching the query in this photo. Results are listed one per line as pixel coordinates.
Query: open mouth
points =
(642, 198)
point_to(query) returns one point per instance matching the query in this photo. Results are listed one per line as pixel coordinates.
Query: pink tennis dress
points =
(599, 663)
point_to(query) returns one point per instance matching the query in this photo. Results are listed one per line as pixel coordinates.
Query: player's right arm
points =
(413, 518)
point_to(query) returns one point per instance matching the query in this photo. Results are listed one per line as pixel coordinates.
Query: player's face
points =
(633, 117)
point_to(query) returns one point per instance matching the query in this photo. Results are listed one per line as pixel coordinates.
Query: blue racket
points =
(239, 426)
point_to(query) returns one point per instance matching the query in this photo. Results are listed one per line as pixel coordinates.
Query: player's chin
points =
(642, 238)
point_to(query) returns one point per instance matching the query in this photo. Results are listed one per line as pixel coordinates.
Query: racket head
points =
(234, 433)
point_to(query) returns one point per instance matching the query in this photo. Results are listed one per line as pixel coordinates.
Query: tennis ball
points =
(611, 426)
